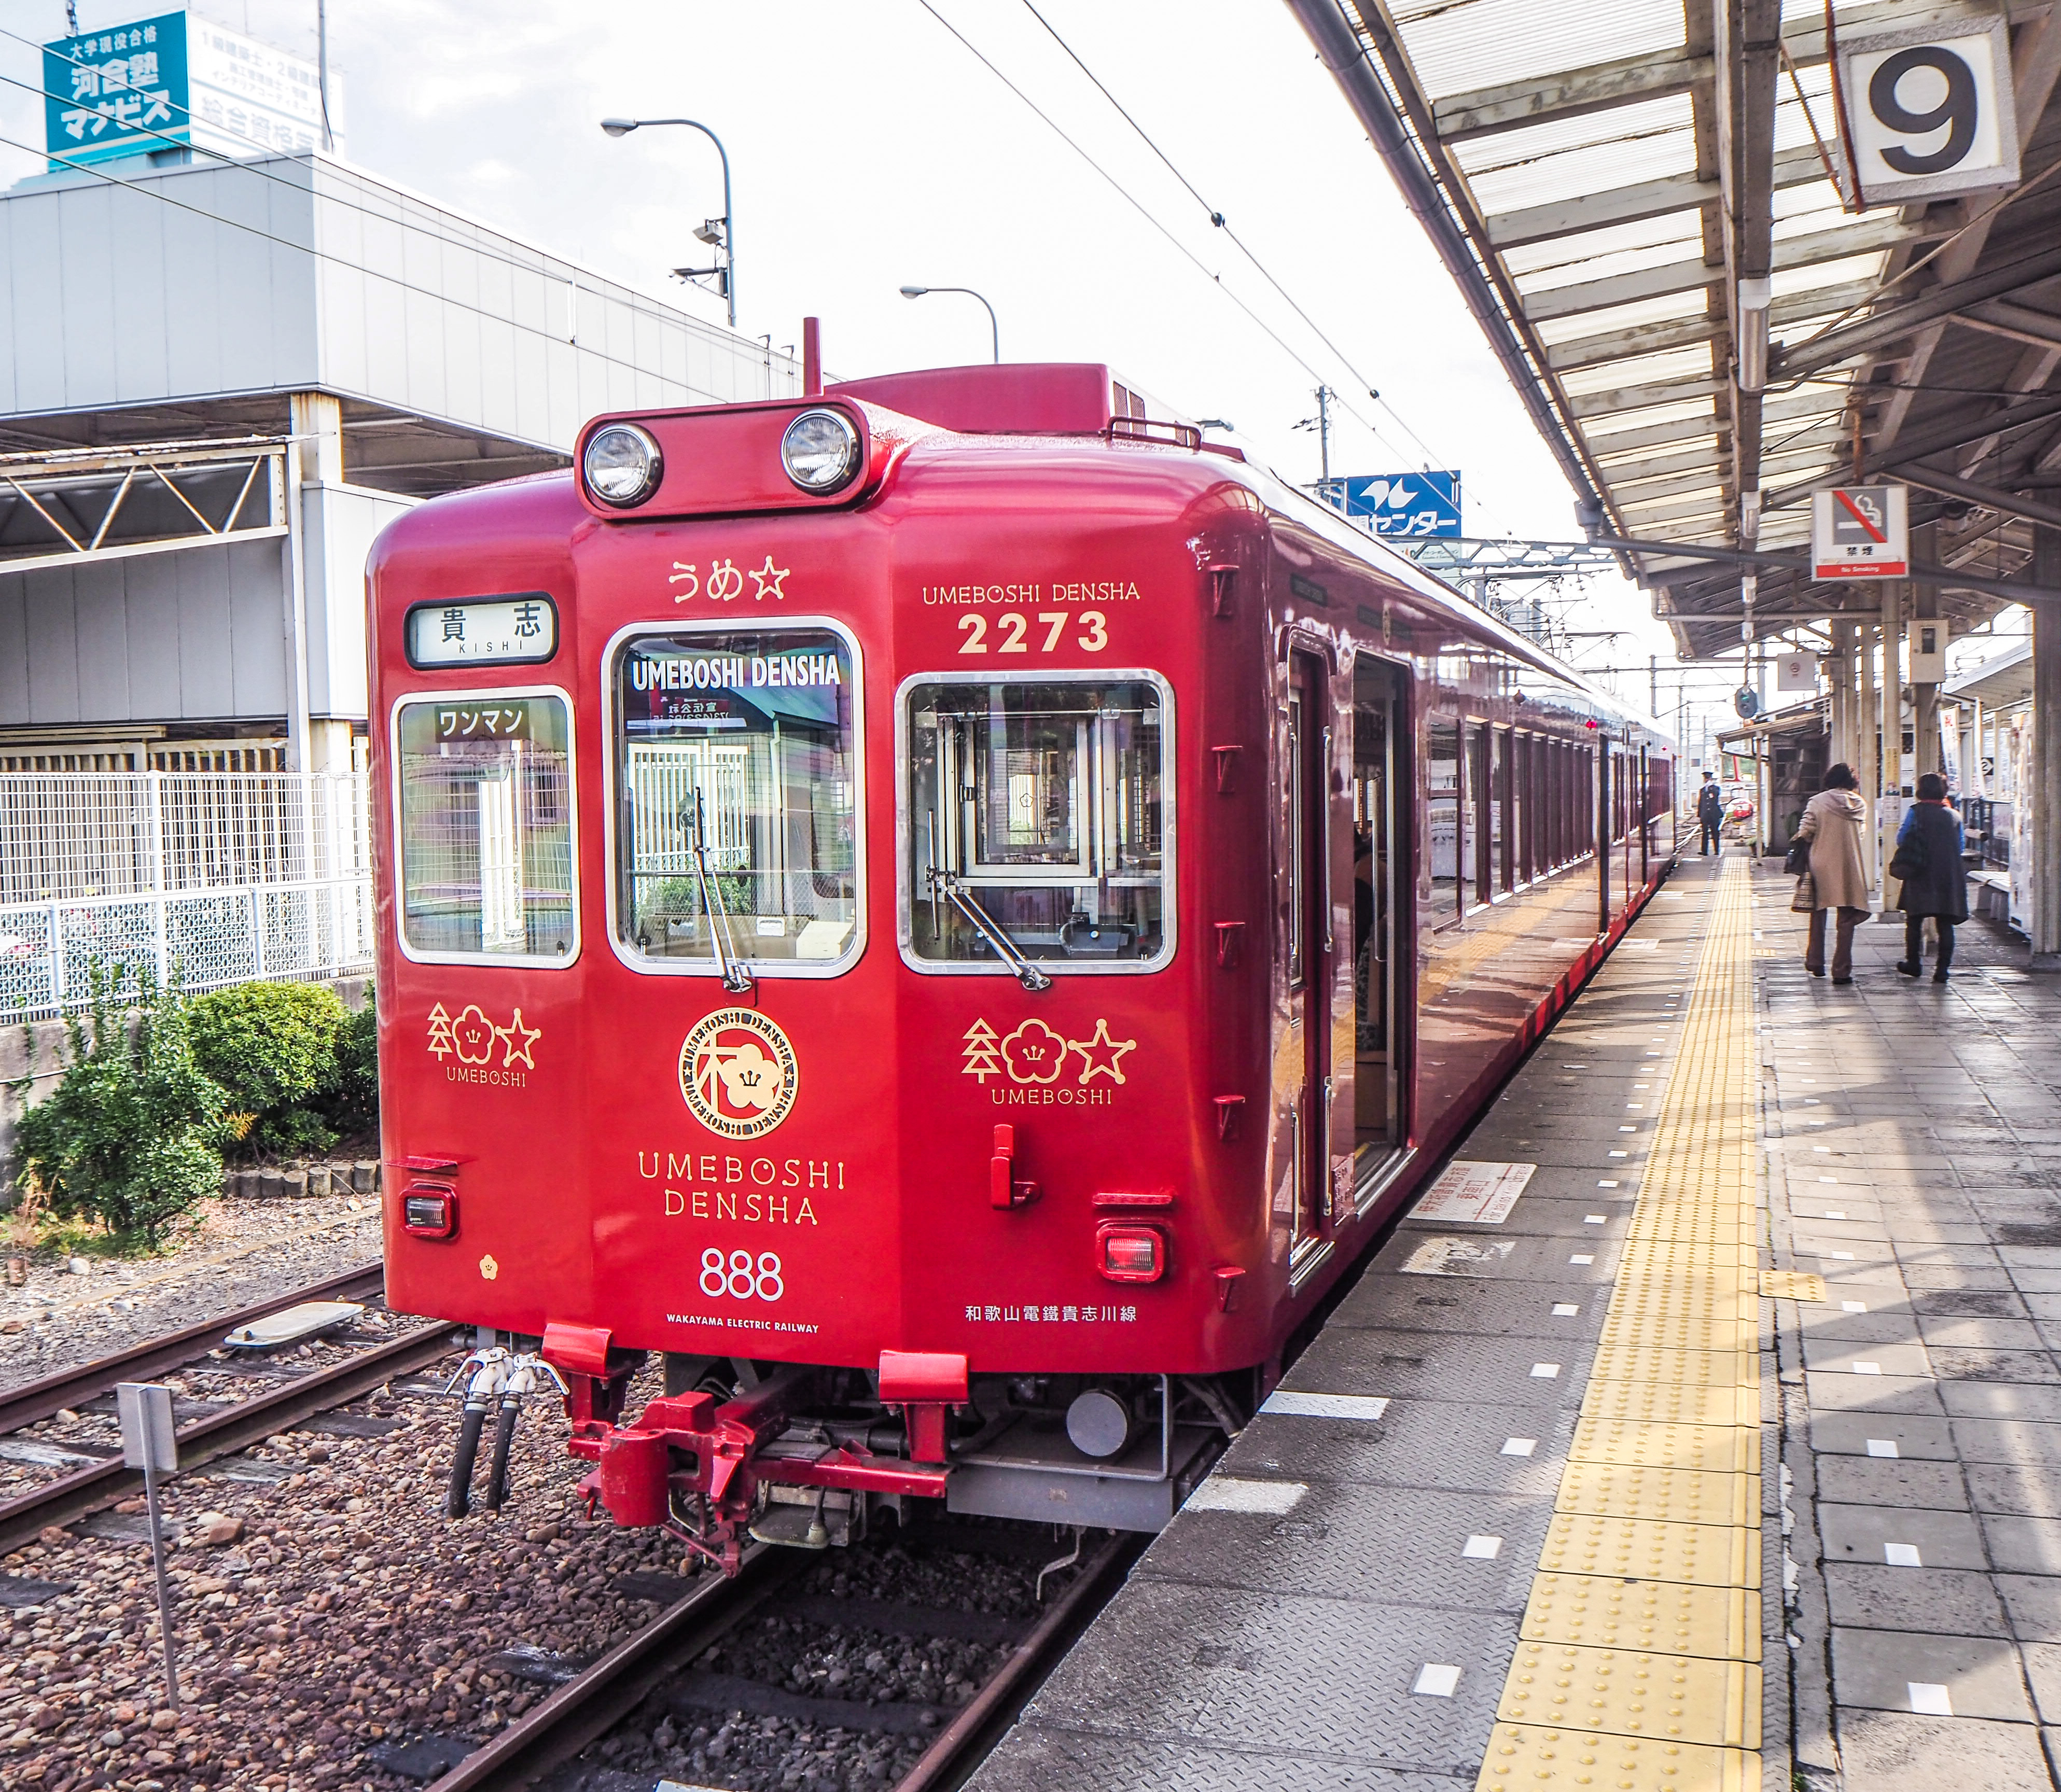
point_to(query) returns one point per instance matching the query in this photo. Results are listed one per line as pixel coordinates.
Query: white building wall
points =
(341, 522)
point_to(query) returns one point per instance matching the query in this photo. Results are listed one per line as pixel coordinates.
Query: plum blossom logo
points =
(473, 1036)
(1037, 1054)
(1034, 1053)
(739, 1074)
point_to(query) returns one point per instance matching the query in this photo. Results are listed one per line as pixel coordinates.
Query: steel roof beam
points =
(1820, 247)
(1898, 322)
(1629, 205)
(1746, 116)
(2008, 503)
(1510, 106)
(1956, 434)
(1577, 352)
(2016, 322)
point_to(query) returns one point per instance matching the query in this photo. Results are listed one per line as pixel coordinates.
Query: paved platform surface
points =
(1913, 1141)
(1502, 1522)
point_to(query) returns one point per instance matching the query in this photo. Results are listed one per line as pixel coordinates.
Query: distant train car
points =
(953, 918)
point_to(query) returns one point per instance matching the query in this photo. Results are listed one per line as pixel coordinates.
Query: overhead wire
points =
(1145, 212)
(1217, 219)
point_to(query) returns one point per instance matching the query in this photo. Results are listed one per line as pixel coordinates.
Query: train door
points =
(1381, 990)
(1309, 946)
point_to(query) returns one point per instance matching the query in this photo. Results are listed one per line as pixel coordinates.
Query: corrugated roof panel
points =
(1590, 153)
(1644, 370)
(1459, 46)
(1680, 231)
(1668, 308)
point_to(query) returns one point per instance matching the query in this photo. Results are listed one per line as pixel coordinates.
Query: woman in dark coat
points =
(1928, 846)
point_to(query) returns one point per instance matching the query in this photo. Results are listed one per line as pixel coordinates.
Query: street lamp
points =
(995, 330)
(719, 232)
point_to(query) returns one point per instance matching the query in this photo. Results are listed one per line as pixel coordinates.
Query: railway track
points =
(73, 1387)
(297, 1397)
(658, 1666)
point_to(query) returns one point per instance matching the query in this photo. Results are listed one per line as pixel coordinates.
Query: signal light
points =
(1131, 1253)
(428, 1211)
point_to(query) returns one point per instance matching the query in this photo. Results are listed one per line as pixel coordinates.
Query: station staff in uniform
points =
(1710, 812)
(1832, 823)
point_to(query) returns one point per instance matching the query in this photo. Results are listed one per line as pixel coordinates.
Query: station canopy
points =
(1631, 193)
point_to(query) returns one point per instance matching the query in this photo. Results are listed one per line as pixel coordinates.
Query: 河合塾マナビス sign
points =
(174, 80)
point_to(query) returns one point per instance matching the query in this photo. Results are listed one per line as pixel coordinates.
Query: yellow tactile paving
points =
(1692, 1496)
(1603, 1612)
(1640, 1663)
(1792, 1285)
(1630, 1692)
(1730, 1448)
(1537, 1754)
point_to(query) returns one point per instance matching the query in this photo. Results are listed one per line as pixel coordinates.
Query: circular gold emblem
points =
(739, 1074)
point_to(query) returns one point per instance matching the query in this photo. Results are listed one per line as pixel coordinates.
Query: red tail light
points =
(1131, 1253)
(428, 1210)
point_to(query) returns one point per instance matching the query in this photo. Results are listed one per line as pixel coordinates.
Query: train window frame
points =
(523, 961)
(904, 842)
(802, 970)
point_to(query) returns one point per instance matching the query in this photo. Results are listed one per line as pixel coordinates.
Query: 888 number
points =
(741, 1276)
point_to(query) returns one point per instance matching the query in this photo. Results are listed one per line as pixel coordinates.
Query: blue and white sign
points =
(160, 82)
(1405, 503)
(120, 92)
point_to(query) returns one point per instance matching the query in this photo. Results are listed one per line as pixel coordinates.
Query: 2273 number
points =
(1012, 626)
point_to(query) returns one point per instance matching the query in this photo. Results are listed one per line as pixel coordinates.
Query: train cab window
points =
(737, 812)
(484, 788)
(1038, 823)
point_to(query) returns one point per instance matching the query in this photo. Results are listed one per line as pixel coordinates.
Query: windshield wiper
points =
(735, 977)
(1027, 973)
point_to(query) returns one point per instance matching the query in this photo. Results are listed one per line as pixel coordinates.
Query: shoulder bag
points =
(1805, 901)
(1909, 859)
(1797, 859)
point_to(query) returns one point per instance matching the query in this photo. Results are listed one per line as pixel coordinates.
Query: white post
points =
(153, 791)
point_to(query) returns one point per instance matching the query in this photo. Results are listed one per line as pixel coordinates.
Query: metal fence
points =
(220, 877)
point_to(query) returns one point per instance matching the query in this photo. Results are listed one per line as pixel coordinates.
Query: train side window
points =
(736, 817)
(1503, 813)
(484, 796)
(1442, 784)
(1038, 822)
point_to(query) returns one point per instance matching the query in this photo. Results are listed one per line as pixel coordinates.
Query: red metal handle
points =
(1003, 1191)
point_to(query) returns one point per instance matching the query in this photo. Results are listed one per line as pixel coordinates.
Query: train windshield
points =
(736, 790)
(486, 827)
(1036, 822)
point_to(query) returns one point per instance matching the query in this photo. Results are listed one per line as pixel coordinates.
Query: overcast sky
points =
(870, 148)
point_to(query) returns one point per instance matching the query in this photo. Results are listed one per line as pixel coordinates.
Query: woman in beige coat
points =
(1832, 823)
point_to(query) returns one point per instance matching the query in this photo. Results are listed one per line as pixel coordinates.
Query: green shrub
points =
(273, 1046)
(130, 1136)
(352, 1104)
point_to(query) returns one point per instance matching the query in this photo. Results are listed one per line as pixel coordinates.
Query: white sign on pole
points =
(1860, 532)
(1796, 672)
(148, 1441)
(1930, 111)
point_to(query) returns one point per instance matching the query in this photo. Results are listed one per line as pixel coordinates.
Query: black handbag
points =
(1797, 859)
(1910, 858)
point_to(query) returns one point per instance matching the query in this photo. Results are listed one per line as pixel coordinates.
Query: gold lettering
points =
(674, 1203)
(733, 1170)
(768, 1165)
(701, 1203)
(805, 1212)
(682, 1167)
(790, 1176)
(652, 1173)
(776, 1207)
(708, 1169)
(751, 1207)
(726, 1206)
(819, 1175)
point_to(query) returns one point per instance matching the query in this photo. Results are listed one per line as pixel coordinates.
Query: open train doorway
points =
(1381, 980)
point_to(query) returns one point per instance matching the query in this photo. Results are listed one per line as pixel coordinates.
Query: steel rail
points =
(591, 1704)
(223, 1433)
(40, 1399)
(588, 1706)
(970, 1735)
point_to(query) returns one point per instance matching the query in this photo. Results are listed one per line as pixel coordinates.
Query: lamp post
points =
(995, 329)
(717, 232)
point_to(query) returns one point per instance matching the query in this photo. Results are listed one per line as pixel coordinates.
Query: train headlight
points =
(1131, 1253)
(622, 465)
(820, 451)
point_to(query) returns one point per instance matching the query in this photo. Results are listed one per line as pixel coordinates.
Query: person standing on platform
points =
(1838, 878)
(1928, 860)
(1710, 812)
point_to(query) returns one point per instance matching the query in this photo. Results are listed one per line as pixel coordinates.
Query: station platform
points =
(1731, 1457)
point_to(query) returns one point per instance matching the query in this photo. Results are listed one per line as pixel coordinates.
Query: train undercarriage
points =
(808, 1457)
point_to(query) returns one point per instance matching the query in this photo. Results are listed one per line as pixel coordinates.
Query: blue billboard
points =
(118, 92)
(1417, 504)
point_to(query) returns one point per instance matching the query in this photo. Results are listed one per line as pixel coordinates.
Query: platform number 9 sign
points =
(1930, 114)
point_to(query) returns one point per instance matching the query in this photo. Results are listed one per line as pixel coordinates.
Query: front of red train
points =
(780, 971)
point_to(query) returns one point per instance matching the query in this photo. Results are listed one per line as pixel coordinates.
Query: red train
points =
(954, 916)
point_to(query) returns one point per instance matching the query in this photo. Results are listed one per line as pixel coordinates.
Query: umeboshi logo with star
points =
(738, 1073)
(1036, 1054)
(474, 1039)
